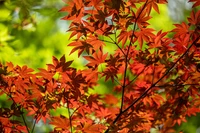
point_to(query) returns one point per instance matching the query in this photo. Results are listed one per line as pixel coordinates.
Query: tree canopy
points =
(122, 66)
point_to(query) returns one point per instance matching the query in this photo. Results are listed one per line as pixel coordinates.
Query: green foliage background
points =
(31, 32)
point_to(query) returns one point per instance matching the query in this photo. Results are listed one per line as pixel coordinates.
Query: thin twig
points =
(74, 111)
(114, 42)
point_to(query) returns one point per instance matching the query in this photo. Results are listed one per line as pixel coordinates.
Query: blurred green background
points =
(31, 32)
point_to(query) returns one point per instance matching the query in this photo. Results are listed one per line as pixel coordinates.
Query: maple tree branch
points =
(125, 69)
(153, 85)
(126, 59)
(166, 73)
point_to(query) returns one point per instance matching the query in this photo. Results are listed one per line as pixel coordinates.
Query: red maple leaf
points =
(159, 40)
(96, 3)
(103, 113)
(196, 3)
(181, 43)
(110, 99)
(194, 18)
(154, 4)
(145, 34)
(81, 46)
(141, 17)
(110, 72)
(124, 36)
(75, 10)
(96, 59)
(181, 29)
(60, 122)
(90, 127)
(95, 42)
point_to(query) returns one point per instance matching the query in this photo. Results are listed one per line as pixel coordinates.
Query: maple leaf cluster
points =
(156, 78)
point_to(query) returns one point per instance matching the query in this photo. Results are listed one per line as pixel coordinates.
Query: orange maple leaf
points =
(60, 122)
(96, 59)
(181, 29)
(145, 34)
